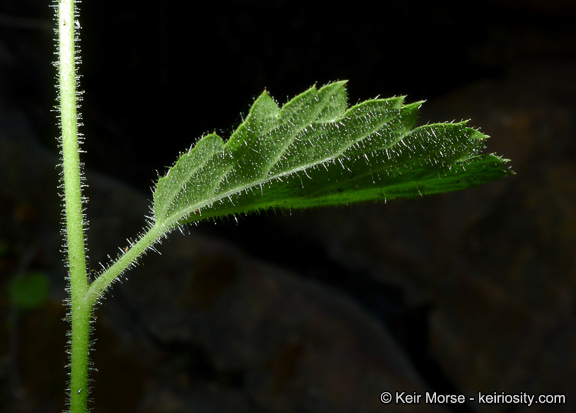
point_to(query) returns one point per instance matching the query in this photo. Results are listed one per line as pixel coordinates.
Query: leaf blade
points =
(313, 152)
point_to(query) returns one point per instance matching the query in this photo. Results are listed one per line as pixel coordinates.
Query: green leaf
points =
(31, 290)
(314, 152)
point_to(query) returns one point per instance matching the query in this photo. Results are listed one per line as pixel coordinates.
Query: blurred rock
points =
(204, 325)
(495, 266)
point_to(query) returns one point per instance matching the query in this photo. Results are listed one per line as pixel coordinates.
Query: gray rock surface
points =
(204, 327)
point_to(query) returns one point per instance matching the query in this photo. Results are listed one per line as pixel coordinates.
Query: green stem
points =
(80, 309)
(122, 263)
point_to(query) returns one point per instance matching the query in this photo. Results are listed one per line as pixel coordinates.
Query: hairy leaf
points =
(314, 151)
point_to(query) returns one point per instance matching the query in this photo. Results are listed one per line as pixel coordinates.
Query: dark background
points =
(157, 78)
(483, 279)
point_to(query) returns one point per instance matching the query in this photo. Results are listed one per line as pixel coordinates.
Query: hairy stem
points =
(80, 309)
(127, 259)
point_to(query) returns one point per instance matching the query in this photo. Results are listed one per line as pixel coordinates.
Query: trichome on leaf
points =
(315, 151)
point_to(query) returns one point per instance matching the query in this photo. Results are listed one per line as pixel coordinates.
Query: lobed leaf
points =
(314, 152)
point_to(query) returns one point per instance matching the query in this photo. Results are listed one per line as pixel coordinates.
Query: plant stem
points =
(80, 309)
(122, 263)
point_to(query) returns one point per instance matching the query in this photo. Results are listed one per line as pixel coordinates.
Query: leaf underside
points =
(315, 151)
